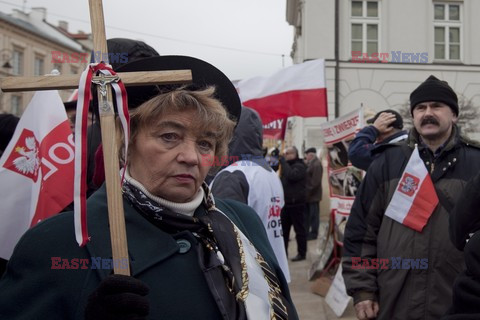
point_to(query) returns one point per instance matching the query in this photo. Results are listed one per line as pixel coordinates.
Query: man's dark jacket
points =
(294, 180)
(407, 292)
(465, 221)
(314, 180)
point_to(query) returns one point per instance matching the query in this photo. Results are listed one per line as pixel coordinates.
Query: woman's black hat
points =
(203, 74)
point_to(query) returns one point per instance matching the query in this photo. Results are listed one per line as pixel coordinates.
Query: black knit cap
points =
(311, 150)
(434, 89)
(398, 123)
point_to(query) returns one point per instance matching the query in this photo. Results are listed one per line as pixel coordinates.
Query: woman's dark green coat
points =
(31, 289)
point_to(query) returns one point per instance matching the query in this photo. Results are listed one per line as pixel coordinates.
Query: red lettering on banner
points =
(346, 125)
(328, 132)
(57, 154)
(275, 129)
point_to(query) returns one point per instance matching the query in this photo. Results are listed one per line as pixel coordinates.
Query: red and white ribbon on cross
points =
(80, 177)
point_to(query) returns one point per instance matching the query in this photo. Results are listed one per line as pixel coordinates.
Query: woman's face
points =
(172, 159)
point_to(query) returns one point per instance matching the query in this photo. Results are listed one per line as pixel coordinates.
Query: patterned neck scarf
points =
(228, 260)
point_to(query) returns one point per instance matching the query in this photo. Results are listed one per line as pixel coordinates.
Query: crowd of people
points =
(208, 239)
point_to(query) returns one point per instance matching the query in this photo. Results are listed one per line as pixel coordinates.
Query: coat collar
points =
(452, 141)
(147, 244)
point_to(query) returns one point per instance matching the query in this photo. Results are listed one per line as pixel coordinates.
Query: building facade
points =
(30, 46)
(379, 51)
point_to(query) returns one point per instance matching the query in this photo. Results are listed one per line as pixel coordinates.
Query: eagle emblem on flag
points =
(24, 159)
(409, 184)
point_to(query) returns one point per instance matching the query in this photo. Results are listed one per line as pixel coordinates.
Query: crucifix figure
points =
(107, 120)
(103, 82)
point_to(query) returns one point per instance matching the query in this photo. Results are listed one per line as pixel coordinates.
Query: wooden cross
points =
(107, 122)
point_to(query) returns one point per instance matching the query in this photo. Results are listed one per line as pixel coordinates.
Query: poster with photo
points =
(343, 178)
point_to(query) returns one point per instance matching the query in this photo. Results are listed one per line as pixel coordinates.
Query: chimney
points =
(40, 13)
(19, 14)
(63, 25)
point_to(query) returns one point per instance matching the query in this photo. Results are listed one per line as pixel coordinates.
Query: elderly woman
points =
(191, 256)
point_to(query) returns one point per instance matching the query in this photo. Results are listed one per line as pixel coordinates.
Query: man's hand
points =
(367, 309)
(384, 120)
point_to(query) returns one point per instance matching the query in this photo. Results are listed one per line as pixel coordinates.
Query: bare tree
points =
(467, 119)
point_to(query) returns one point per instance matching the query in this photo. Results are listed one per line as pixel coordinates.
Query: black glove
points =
(118, 297)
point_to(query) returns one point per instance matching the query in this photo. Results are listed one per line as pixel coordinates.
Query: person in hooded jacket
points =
(250, 180)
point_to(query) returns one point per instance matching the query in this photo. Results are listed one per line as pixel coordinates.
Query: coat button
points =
(184, 245)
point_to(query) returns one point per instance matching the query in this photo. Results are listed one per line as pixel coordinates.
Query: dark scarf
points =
(221, 257)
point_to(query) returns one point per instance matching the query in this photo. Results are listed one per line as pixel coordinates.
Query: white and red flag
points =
(415, 198)
(298, 90)
(36, 169)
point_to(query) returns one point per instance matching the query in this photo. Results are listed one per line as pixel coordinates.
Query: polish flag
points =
(415, 198)
(298, 90)
(36, 169)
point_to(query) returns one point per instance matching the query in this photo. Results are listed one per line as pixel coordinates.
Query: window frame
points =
(18, 61)
(365, 21)
(448, 24)
(16, 109)
(39, 58)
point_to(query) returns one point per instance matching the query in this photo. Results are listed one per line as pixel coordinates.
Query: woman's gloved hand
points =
(118, 297)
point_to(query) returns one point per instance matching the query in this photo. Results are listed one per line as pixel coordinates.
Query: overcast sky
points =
(243, 38)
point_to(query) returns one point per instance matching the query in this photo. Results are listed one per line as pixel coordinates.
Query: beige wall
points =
(10, 37)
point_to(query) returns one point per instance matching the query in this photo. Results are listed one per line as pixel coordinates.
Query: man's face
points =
(433, 120)
(290, 154)
(310, 156)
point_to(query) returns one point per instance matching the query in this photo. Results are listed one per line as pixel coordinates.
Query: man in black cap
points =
(403, 288)
(293, 176)
(386, 127)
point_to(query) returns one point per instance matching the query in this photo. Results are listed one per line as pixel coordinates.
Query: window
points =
(17, 61)
(447, 31)
(16, 104)
(39, 66)
(365, 26)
